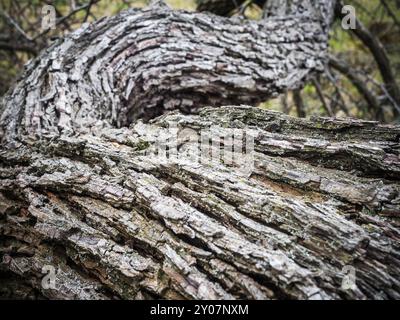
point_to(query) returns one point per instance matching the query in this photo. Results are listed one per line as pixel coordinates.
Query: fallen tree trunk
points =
(116, 222)
(120, 209)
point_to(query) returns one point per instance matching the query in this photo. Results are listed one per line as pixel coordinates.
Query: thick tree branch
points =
(143, 227)
(143, 62)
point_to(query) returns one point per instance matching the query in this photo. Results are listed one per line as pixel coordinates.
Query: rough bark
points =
(142, 62)
(276, 8)
(117, 222)
(82, 190)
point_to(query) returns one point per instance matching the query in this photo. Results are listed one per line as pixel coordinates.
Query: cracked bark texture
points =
(119, 223)
(81, 190)
(141, 63)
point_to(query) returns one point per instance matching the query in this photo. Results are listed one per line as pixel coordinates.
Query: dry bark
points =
(142, 62)
(81, 189)
(117, 222)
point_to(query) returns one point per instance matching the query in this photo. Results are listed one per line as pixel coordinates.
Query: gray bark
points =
(142, 62)
(116, 222)
(82, 191)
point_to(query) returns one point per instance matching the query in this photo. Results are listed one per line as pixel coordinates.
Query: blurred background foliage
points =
(336, 92)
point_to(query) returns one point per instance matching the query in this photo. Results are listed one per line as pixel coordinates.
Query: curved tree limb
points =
(142, 62)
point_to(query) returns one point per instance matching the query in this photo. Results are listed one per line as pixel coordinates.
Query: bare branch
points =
(16, 26)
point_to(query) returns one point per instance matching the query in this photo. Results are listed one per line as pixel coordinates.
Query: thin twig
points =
(88, 10)
(15, 25)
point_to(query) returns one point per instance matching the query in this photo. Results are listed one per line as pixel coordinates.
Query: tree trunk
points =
(119, 208)
(117, 222)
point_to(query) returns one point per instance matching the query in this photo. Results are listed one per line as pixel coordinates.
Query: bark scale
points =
(116, 222)
(81, 190)
(141, 63)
